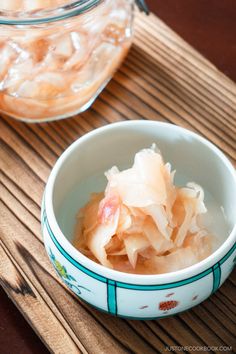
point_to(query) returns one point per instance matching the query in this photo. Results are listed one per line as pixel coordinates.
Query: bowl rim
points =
(144, 279)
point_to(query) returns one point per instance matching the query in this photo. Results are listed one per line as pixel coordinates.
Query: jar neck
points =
(72, 9)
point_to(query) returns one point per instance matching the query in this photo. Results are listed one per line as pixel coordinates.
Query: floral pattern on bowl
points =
(63, 274)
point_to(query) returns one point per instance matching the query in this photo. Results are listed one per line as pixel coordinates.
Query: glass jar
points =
(56, 58)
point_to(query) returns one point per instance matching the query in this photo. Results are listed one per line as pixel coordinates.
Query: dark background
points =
(210, 27)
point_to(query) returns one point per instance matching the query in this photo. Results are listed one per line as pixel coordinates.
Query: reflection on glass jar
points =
(54, 61)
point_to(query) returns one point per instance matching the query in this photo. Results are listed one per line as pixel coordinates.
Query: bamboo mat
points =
(162, 79)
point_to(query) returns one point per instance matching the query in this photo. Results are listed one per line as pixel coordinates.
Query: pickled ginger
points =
(143, 223)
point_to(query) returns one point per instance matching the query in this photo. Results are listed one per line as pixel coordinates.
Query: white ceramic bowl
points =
(80, 171)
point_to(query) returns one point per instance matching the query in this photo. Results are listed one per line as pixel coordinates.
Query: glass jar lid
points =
(25, 12)
(30, 12)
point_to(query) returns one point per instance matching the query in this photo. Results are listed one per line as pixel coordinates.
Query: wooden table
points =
(212, 323)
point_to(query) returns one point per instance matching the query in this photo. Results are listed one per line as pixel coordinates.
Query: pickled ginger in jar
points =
(56, 55)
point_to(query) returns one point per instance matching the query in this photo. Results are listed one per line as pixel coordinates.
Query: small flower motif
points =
(168, 305)
(67, 278)
(60, 269)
